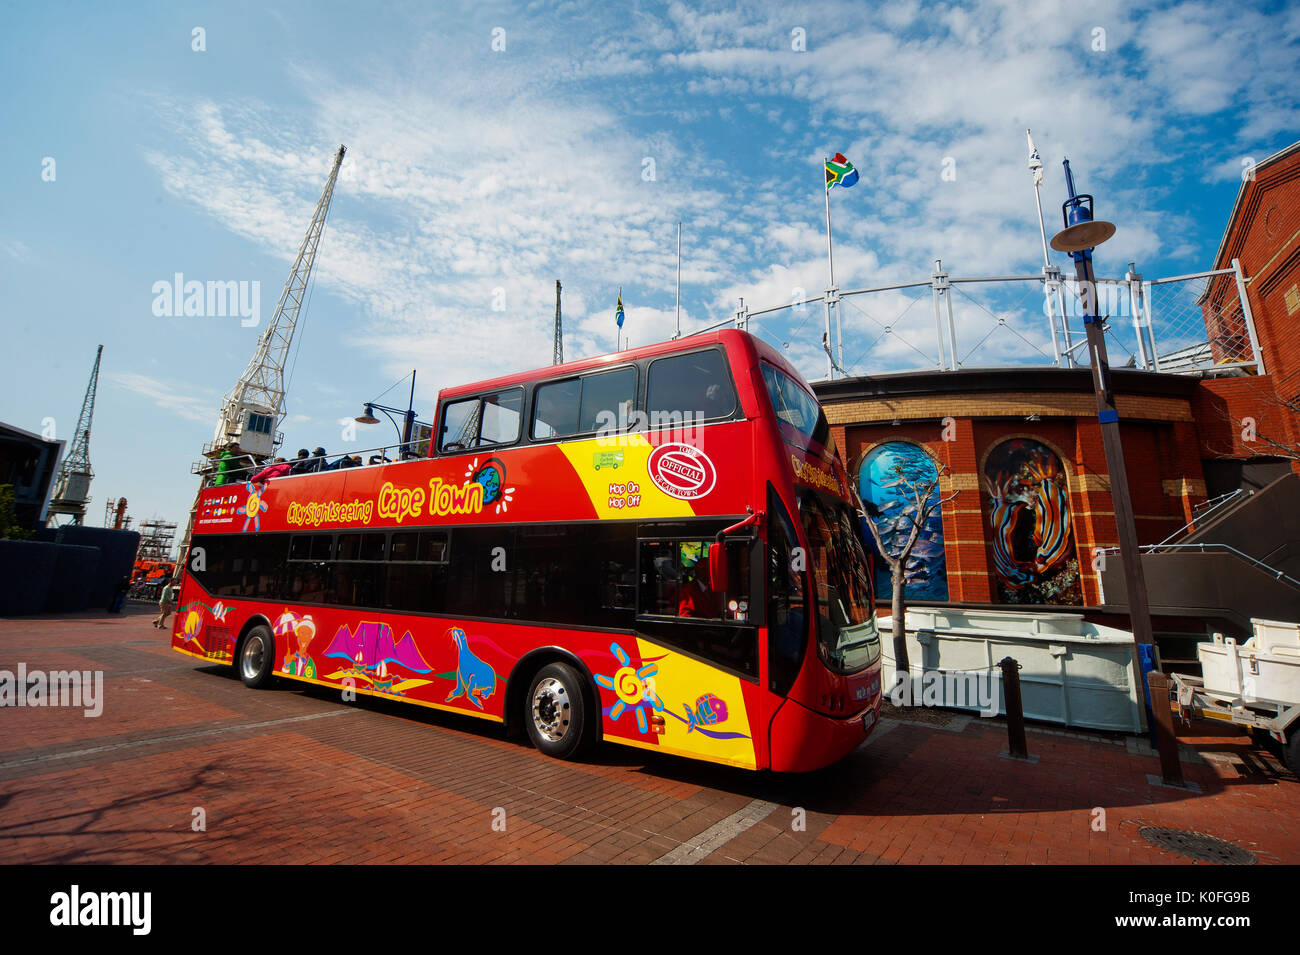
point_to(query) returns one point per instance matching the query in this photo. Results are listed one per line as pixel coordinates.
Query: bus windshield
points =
(846, 630)
(794, 406)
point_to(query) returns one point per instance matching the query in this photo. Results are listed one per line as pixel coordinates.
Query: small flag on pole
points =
(840, 172)
(618, 311)
(1035, 161)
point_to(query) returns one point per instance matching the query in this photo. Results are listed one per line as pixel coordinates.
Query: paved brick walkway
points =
(292, 775)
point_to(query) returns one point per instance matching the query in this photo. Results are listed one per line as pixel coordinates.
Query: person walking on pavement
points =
(119, 595)
(166, 603)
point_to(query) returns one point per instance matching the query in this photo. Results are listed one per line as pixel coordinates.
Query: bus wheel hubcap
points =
(253, 653)
(551, 709)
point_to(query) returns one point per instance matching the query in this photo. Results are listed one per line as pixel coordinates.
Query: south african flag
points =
(618, 310)
(840, 172)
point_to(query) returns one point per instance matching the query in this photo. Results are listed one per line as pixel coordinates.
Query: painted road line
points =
(718, 834)
(195, 734)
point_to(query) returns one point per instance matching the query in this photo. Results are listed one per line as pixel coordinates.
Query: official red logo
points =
(681, 471)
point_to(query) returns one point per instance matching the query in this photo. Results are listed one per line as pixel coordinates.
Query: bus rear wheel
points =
(554, 711)
(257, 658)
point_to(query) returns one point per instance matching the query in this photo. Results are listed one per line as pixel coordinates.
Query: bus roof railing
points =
(245, 473)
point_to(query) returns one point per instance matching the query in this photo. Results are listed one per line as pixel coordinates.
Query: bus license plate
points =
(868, 719)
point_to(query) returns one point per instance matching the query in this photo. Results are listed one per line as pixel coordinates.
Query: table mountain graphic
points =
(371, 645)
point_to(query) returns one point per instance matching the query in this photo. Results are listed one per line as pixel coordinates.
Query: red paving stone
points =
(292, 775)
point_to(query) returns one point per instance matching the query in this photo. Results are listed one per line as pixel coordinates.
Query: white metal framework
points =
(72, 485)
(251, 413)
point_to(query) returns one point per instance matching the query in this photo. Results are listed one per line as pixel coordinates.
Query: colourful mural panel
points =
(1034, 557)
(885, 482)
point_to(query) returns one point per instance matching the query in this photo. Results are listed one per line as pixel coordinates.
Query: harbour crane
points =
(252, 411)
(558, 356)
(72, 484)
(248, 426)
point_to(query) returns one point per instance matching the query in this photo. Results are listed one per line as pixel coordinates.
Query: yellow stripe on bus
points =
(671, 751)
(607, 465)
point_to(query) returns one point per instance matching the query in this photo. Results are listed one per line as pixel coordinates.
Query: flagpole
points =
(679, 280)
(1047, 264)
(830, 262)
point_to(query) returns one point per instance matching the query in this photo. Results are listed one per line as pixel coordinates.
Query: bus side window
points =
(458, 420)
(659, 578)
(695, 384)
(603, 396)
(555, 409)
(501, 417)
(675, 580)
(787, 619)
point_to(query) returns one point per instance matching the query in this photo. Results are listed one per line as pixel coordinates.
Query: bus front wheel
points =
(257, 658)
(554, 711)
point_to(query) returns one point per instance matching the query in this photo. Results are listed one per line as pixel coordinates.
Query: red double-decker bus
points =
(658, 547)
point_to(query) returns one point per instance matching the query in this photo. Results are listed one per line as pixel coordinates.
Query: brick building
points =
(1021, 450)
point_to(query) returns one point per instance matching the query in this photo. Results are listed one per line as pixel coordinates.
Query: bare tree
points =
(917, 514)
(1262, 444)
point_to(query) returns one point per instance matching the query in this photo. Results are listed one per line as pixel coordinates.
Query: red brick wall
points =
(1222, 407)
(1265, 237)
(1165, 481)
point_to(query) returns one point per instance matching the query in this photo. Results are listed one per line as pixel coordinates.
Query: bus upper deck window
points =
(555, 409)
(697, 384)
(582, 405)
(604, 396)
(484, 420)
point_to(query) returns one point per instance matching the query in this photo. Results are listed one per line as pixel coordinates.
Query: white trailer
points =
(1255, 684)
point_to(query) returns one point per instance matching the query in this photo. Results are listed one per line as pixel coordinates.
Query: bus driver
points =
(696, 599)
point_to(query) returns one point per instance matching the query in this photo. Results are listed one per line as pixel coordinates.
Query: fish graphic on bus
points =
(708, 711)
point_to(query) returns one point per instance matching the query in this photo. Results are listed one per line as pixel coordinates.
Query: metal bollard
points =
(1171, 770)
(1016, 744)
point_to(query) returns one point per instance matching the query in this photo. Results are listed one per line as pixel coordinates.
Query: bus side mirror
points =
(718, 567)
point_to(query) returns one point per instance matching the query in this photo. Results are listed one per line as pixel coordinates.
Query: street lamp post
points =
(1081, 234)
(407, 429)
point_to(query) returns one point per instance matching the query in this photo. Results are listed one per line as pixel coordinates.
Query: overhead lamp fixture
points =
(1082, 232)
(367, 416)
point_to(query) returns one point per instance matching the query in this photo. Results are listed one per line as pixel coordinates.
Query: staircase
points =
(1239, 560)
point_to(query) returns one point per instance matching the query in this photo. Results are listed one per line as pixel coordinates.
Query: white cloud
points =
(460, 203)
(167, 396)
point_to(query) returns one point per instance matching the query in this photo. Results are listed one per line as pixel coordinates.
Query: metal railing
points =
(1195, 323)
(401, 452)
(1201, 512)
(1208, 548)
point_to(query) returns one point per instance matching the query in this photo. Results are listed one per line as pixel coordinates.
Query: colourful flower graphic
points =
(254, 506)
(633, 687)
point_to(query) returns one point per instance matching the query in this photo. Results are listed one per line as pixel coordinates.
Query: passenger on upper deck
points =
(277, 468)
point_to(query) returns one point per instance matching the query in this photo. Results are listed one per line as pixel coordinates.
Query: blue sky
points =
(475, 177)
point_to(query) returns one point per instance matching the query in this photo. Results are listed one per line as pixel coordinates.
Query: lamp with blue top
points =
(1083, 233)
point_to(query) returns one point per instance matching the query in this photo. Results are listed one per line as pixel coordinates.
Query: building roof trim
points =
(1277, 157)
